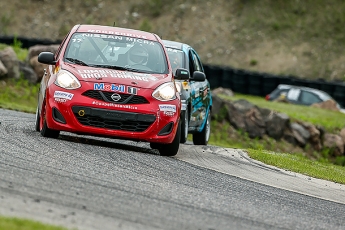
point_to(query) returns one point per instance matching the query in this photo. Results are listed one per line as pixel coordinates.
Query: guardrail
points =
(238, 80)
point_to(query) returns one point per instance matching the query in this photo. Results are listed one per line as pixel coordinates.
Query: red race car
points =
(111, 82)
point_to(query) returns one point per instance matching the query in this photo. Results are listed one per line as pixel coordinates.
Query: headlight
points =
(67, 80)
(165, 92)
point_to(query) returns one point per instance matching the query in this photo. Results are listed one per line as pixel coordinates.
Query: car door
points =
(199, 93)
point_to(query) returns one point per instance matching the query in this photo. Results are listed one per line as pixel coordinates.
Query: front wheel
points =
(44, 129)
(201, 138)
(37, 123)
(172, 148)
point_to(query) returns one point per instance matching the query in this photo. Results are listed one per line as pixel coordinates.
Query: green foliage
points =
(16, 43)
(253, 62)
(145, 26)
(5, 21)
(155, 7)
(340, 161)
(64, 29)
(221, 116)
(10, 223)
(20, 52)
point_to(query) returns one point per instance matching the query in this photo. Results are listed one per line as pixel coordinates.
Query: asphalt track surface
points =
(84, 182)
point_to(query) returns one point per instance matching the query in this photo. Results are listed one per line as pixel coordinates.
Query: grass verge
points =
(11, 223)
(300, 164)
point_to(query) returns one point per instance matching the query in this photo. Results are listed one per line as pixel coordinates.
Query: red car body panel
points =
(73, 105)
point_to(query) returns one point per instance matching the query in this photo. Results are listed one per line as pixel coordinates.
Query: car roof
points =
(320, 93)
(116, 31)
(174, 44)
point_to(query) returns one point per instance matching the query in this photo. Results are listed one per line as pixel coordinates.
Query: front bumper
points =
(85, 114)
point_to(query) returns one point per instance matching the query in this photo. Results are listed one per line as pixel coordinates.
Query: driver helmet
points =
(137, 55)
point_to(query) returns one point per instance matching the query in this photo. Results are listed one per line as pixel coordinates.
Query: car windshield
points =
(176, 58)
(116, 52)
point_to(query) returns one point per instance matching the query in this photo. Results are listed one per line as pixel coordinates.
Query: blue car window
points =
(308, 98)
(176, 58)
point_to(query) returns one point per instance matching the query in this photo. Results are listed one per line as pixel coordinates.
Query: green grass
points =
(300, 164)
(11, 223)
(18, 95)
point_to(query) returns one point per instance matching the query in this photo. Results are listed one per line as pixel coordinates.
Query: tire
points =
(184, 126)
(154, 145)
(44, 130)
(172, 148)
(37, 122)
(201, 138)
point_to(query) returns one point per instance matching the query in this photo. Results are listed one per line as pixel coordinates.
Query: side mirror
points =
(182, 74)
(46, 58)
(198, 76)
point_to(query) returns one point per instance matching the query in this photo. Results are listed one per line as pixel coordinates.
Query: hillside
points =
(301, 38)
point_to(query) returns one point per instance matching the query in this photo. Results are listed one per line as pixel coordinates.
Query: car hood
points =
(103, 75)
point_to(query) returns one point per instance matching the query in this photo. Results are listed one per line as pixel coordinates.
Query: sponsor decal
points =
(63, 95)
(185, 85)
(130, 38)
(169, 113)
(100, 73)
(109, 87)
(132, 90)
(60, 100)
(107, 104)
(167, 108)
(112, 32)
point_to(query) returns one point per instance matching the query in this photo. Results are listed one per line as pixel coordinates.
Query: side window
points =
(309, 98)
(197, 63)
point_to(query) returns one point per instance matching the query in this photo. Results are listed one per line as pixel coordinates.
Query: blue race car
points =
(195, 93)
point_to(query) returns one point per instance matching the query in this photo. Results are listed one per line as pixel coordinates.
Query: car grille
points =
(106, 96)
(112, 119)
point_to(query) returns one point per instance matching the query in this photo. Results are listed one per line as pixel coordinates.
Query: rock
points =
(38, 67)
(9, 59)
(247, 117)
(37, 49)
(329, 104)
(3, 70)
(342, 134)
(289, 137)
(28, 72)
(217, 108)
(224, 91)
(300, 133)
(276, 123)
(335, 143)
(234, 117)
(315, 135)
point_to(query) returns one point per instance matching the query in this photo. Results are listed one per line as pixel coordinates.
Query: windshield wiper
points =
(77, 61)
(111, 67)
